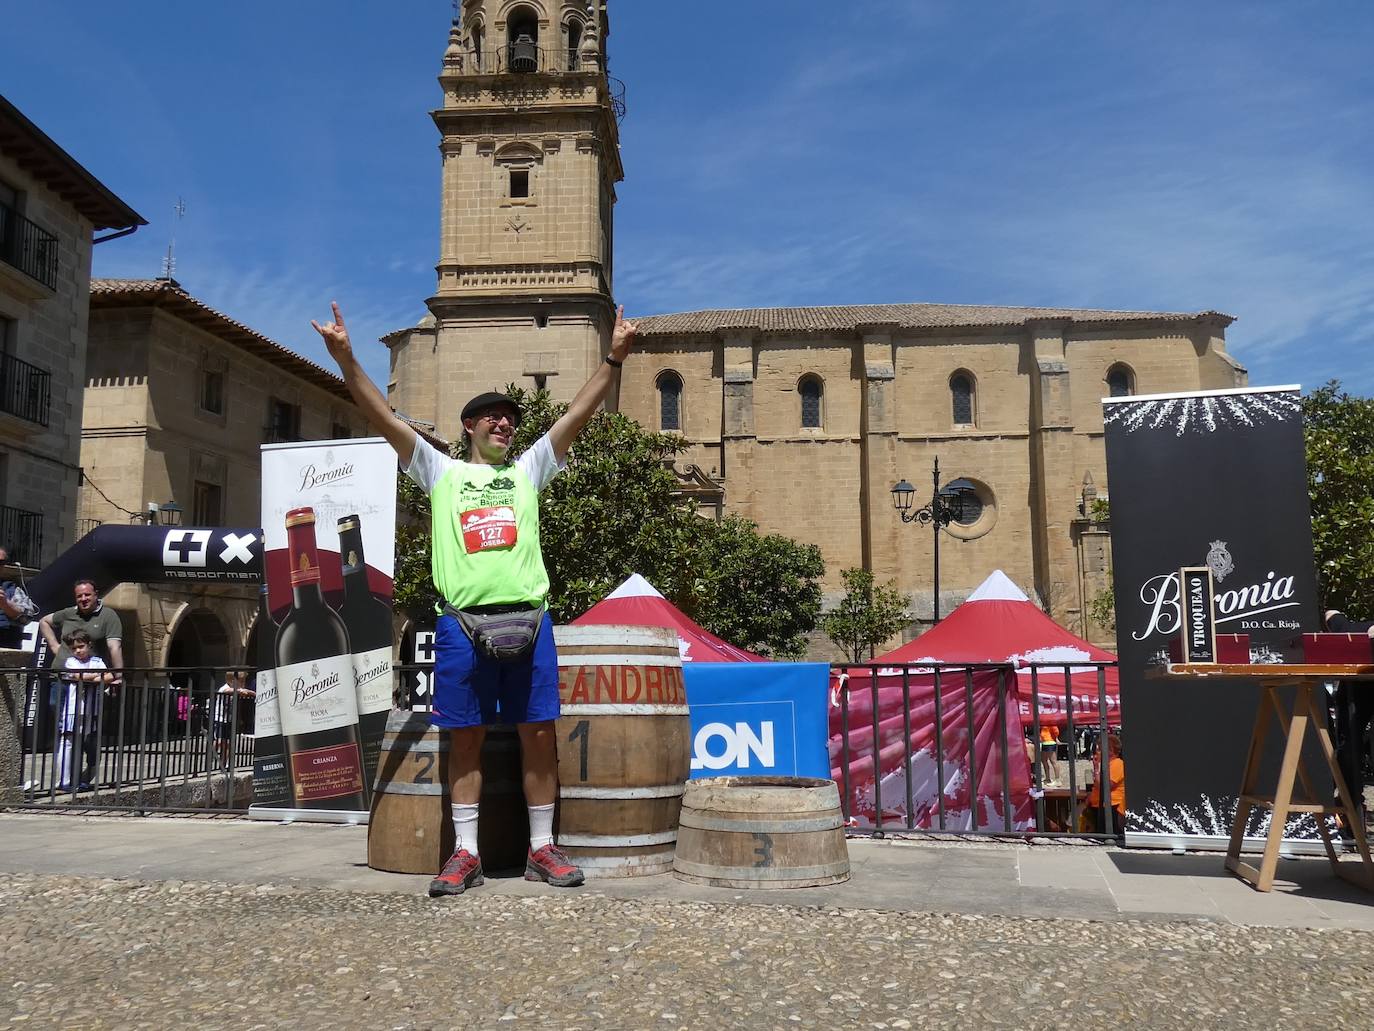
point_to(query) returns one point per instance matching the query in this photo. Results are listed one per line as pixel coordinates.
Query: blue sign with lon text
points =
(758, 718)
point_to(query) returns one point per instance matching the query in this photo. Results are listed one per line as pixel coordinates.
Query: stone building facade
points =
(808, 417)
(801, 419)
(50, 209)
(179, 399)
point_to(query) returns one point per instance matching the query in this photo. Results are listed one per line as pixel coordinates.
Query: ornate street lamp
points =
(946, 506)
(169, 513)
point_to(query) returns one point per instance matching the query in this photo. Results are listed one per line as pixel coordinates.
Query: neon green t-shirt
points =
(485, 525)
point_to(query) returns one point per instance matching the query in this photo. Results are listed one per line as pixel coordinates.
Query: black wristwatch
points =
(612, 362)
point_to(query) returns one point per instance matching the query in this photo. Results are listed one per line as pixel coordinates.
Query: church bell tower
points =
(531, 154)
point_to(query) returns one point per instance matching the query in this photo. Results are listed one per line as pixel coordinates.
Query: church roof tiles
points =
(850, 317)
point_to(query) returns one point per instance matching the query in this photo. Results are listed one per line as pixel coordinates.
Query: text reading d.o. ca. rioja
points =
(368, 621)
(316, 685)
(271, 785)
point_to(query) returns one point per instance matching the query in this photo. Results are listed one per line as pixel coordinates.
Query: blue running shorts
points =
(472, 691)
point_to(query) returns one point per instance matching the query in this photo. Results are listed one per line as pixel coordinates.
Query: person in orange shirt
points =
(1116, 777)
(1049, 754)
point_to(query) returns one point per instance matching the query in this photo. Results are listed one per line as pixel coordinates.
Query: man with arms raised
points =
(494, 653)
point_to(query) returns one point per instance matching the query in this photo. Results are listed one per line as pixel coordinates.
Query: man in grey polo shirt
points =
(106, 631)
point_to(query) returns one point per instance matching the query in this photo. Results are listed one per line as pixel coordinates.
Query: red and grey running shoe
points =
(462, 871)
(551, 865)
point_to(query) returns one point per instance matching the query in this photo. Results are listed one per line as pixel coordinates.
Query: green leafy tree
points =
(1340, 483)
(761, 591)
(614, 512)
(867, 615)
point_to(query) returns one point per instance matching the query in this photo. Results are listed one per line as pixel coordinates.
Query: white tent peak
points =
(997, 587)
(635, 586)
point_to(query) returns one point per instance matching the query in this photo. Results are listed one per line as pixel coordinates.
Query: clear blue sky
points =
(1162, 155)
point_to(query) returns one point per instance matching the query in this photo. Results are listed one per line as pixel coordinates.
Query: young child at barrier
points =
(84, 673)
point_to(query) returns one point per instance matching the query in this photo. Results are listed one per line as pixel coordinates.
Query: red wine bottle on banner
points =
(368, 621)
(271, 785)
(316, 686)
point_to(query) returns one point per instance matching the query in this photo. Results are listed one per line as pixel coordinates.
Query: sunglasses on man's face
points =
(495, 418)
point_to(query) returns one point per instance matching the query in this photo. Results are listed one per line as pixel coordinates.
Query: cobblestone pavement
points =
(91, 952)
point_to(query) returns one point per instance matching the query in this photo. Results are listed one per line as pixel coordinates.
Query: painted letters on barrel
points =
(624, 747)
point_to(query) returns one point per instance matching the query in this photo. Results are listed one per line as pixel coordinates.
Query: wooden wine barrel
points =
(411, 827)
(761, 832)
(624, 747)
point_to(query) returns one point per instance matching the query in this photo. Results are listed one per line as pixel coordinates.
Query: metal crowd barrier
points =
(1051, 687)
(160, 739)
(165, 740)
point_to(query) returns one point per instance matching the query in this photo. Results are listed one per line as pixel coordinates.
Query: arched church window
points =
(477, 34)
(522, 40)
(961, 398)
(669, 401)
(811, 390)
(1120, 381)
(574, 31)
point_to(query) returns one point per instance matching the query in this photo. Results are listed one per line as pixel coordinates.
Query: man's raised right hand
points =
(335, 336)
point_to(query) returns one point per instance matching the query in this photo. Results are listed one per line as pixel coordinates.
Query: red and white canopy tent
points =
(637, 603)
(998, 623)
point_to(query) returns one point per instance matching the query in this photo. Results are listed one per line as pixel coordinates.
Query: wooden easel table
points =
(1307, 707)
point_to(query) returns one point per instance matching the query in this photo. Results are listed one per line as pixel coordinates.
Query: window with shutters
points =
(669, 401)
(962, 400)
(812, 393)
(1120, 381)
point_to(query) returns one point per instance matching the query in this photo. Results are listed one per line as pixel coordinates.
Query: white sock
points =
(464, 827)
(541, 826)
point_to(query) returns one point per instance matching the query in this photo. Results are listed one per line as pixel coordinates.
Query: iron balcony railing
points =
(28, 247)
(280, 435)
(523, 58)
(85, 526)
(25, 390)
(528, 58)
(23, 532)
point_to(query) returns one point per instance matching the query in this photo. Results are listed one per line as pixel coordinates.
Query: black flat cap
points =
(490, 399)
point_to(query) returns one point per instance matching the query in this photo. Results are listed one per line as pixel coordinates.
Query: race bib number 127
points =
(487, 528)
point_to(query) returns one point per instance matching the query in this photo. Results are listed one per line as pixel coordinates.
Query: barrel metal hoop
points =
(415, 745)
(572, 660)
(650, 862)
(394, 787)
(656, 791)
(617, 840)
(700, 821)
(608, 709)
(761, 873)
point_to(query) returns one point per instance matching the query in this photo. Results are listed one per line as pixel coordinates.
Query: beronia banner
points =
(325, 683)
(1215, 479)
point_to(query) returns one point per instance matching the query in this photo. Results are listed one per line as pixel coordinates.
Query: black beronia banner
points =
(1216, 479)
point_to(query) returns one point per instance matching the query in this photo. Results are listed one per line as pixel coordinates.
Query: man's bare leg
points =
(465, 764)
(539, 761)
(539, 758)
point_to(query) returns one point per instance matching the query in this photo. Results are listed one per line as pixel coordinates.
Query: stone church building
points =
(802, 419)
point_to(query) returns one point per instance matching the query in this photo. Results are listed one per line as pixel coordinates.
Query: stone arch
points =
(196, 637)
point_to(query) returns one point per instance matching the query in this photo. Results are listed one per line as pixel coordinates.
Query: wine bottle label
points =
(266, 715)
(373, 670)
(329, 772)
(317, 695)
